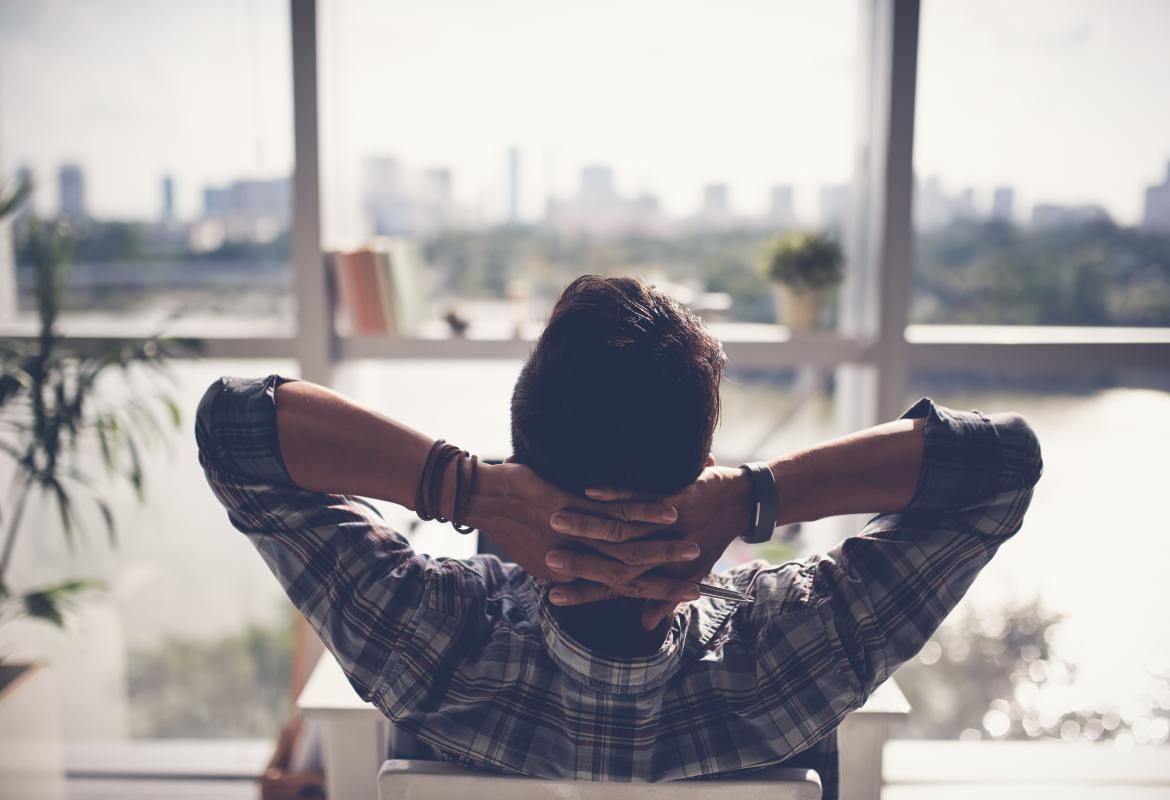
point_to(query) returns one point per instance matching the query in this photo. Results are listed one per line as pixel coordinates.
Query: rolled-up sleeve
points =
(357, 582)
(880, 595)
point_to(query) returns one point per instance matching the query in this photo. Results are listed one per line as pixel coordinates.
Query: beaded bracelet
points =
(428, 496)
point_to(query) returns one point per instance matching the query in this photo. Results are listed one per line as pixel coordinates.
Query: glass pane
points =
(162, 133)
(1063, 637)
(1043, 194)
(521, 144)
(191, 635)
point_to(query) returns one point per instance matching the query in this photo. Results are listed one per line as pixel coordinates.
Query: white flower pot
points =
(799, 311)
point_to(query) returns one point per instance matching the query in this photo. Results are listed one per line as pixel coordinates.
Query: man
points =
(593, 656)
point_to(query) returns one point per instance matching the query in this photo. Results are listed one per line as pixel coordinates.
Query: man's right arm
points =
(872, 471)
(880, 595)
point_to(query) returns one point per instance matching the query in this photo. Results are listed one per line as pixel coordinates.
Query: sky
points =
(1066, 101)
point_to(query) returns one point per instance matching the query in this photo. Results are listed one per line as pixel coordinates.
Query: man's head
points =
(622, 390)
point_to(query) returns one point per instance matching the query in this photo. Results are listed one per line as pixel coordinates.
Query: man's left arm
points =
(284, 458)
(357, 582)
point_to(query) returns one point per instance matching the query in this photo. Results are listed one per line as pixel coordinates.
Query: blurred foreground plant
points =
(54, 426)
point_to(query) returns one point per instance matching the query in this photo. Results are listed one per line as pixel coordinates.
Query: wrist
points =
(764, 502)
(737, 494)
(492, 485)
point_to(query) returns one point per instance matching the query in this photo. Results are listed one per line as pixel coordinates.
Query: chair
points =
(434, 780)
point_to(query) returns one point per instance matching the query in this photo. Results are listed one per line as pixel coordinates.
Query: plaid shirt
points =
(465, 655)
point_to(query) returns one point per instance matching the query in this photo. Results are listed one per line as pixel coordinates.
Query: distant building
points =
(715, 202)
(1003, 203)
(935, 207)
(1051, 215)
(217, 201)
(597, 185)
(255, 210)
(833, 207)
(513, 185)
(963, 205)
(1156, 212)
(599, 209)
(781, 208)
(71, 191)
(715, 208)
(401, 202)
(384, 199)
(168, 198)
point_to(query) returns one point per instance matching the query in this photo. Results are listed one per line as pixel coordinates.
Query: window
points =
(161, 133)
(190, 636)
(1055, 639)
(525, 143)
(1043, 167)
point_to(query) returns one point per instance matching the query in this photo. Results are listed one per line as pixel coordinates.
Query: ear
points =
(710, 462)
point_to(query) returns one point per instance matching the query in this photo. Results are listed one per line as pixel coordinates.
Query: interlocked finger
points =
(658, 587)
(619, 522)
(601, 569)
(649, 552)
(580, 592)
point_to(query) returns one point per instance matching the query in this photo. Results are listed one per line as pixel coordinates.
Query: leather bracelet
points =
(764, 502)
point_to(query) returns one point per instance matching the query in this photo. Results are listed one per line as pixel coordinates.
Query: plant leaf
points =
(47, 603)
(108, 518)
(136, 475)
(174, 410)
(64, 506)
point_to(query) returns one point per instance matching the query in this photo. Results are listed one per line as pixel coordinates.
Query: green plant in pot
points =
(803, 266)
(67, 439)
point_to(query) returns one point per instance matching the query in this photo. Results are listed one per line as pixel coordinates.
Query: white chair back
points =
(434, 780)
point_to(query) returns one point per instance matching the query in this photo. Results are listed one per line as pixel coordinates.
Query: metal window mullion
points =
(313, 317)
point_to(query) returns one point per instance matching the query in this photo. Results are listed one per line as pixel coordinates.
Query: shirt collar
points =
(693, 629)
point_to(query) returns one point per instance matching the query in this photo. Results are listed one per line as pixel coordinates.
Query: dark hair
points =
(621, 390)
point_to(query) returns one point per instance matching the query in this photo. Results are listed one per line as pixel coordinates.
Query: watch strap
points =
(765, 506)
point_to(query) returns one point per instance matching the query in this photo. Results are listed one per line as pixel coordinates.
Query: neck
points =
(612, 627)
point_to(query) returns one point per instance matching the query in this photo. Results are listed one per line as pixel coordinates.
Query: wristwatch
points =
(764, 502)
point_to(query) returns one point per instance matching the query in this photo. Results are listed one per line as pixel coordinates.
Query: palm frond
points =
(49, 602)
(14, 199)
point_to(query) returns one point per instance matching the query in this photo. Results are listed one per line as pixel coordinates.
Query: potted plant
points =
(63, 439)
(803, 266)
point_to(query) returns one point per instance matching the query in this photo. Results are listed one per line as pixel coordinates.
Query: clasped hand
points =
(614, 543)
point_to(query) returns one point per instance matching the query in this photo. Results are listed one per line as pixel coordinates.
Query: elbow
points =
(205, 427)
(1023, 461)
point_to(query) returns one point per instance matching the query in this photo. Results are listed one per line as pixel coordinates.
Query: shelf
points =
(1051, 348)
(751, 346)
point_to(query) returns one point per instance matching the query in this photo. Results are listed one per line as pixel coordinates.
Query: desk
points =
(356, 736)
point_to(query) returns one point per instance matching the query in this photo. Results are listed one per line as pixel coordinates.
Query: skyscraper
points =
(1003, 203)
(781, 211)
(597, 184)
(715, 200)
(833, 206)
(1156, 213)
(513, 185)
(168, 198)
(71, 191)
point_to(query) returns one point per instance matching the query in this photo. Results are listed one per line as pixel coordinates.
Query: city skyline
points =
(399, 199)
(733, 116)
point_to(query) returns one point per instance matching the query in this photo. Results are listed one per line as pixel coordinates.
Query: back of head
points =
(621, 390)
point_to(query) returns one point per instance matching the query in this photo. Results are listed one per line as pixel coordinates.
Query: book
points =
(360, 291)
(378, 288)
